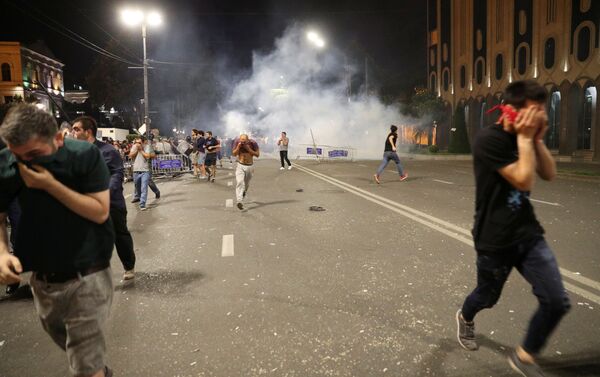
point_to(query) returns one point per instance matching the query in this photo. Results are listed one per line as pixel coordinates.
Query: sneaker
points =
(290, 167)
(523, 368)
(135, 200)
(129, 275)
(202, 177)
(282, 168)
(465, 333)
(376, 179)
(108, 372)
(143, 208)
(403, 177)
(240, 206)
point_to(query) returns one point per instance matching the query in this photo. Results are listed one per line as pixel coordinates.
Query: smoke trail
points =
(298, 87)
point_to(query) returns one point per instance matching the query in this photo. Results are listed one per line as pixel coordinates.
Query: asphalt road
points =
(368, 287)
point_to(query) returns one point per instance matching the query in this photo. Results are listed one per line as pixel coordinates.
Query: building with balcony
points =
(477, 47)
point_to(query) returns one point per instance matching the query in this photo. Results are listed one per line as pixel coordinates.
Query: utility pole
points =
(146, 104)
(367, 75)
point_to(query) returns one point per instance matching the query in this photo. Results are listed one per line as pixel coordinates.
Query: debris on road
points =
(316, 208)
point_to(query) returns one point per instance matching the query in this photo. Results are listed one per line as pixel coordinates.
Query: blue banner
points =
(312, 151)
(338, 153)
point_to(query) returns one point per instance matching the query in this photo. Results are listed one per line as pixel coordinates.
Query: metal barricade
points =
(324, 152)
(171, 165)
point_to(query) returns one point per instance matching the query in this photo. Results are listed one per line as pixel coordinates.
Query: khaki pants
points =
(73, 313)
(243, 175)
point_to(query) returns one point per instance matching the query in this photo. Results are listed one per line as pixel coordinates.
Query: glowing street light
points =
(315, 39)
(135, 17)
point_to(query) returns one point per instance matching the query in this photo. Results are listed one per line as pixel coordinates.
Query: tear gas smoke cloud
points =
(296, 88)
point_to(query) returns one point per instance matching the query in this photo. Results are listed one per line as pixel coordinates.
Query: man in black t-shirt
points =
(506, 232)
(212, 146)
(390, 154)
(59, 183)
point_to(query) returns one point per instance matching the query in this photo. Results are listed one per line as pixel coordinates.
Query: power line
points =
(84, 42)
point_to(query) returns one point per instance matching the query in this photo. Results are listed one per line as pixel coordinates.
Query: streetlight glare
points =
(315, 39)
(154, 18)
(132, 17)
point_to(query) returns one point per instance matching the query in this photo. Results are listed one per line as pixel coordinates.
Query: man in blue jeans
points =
(390, 153)
(506, 232)
(142, 154)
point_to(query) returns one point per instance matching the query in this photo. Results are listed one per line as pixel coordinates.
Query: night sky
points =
(392, 33)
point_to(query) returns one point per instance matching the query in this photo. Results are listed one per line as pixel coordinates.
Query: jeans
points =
(387, 156)
(283, 155)
(536, 263)
(140, 181)
(243, 175)
(123, 240)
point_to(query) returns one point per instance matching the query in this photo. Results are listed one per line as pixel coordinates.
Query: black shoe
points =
(108, 372)
(525, 369)
(244, 194)
(135, 200)
(11, 289)
(157, 195)
(240, 206)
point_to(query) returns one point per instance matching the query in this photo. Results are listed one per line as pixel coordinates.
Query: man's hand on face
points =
(527, 123)
(542, 119)
(10, 268)
(37, 177)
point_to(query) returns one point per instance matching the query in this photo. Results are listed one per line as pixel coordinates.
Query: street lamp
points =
(315, 39)
(135, 17)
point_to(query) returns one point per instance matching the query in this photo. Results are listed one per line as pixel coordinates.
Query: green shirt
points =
(51, 237)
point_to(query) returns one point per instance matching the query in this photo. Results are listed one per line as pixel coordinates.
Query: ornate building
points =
(23, 68)
(477, 47)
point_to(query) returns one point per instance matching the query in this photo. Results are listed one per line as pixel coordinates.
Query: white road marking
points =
(230, 174)
(543, 202)
(446, 182)
(449, 229)
(229, 203)
(227, 246)
(230, 183)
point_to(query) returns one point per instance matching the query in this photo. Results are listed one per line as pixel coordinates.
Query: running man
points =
(283, 144)
(245, 150)
(212, 146)
(390, 153)
(507, 235)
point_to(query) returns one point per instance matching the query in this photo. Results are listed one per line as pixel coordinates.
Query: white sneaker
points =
(282, 168)
(290, 167)
(129, 275)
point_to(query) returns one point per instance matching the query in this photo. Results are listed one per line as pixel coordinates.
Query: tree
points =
(459, 140)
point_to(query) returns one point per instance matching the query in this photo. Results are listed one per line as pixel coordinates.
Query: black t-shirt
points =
(51, 237)
(503, 215)
(212, 142)
(200, 144)
(388, 146)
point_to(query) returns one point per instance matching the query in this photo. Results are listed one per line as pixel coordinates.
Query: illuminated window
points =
(585, 5)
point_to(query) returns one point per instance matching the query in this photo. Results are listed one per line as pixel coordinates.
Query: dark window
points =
(522, 61)
(479, 72)
(583, 44)
(6, 72)
(446, 79)
(499, 66)
(463, 76)
(433, 83)
(8, 99)
(549, 53)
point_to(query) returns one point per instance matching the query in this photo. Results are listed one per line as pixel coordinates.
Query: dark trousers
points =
(123, 240)
(283, 156)
(14, 216)
(536, 263)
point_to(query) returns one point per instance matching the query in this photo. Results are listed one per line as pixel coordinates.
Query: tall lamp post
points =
(315, 39)
(136, 17)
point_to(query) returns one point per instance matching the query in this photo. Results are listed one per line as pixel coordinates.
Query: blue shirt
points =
(115, 167)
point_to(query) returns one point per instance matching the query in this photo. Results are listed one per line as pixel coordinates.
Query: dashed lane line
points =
(544, 202)
(446, 182)
(227, 245)
(229, 203)
(230, 183)
(449, 229)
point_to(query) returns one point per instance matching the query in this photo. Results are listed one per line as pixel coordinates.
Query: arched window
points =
(522, 60)
(553, 121)
(446, 79)
(584, 129)
(479, 71)
(6, 72)
(463, 76)
(499, 66)
(583, 44)
(433, 83)
(549, 53)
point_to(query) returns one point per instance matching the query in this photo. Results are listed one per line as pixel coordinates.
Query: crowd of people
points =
(81, 182)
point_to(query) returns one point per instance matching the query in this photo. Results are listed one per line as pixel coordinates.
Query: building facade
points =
(477, 47)
(26, 71)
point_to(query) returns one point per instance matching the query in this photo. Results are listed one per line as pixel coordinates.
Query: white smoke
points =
(297, 88)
